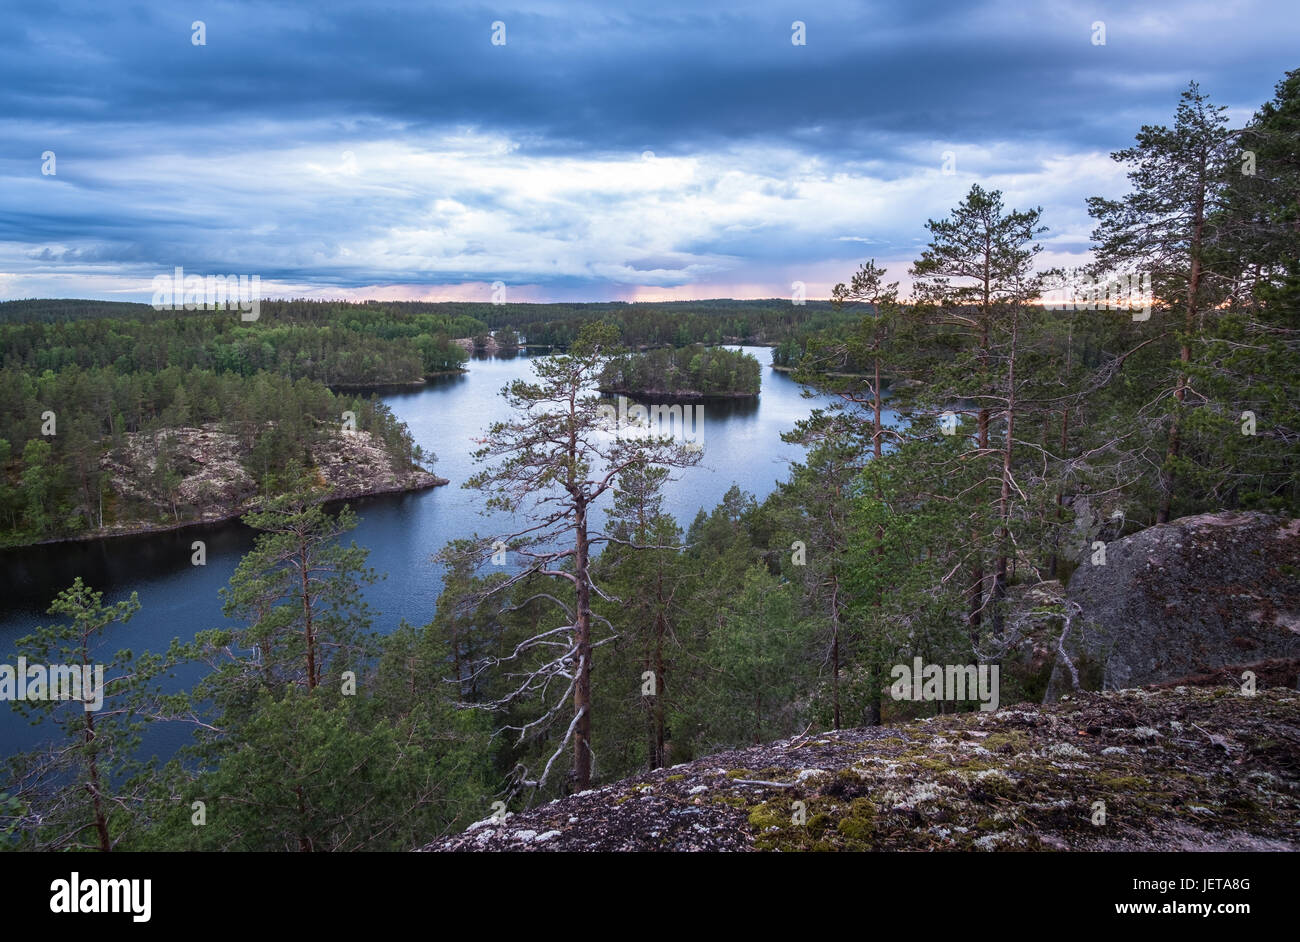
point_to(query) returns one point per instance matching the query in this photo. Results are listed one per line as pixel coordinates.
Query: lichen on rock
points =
(1222, 772)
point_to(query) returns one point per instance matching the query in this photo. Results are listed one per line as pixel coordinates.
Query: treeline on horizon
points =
(949, 536)
(336, 344)
(641, 324)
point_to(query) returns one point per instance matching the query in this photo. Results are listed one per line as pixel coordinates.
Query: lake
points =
(742, 445)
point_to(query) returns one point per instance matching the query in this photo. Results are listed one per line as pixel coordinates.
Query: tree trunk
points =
(1060, 491)
(835, 670)
(101, 819)
(873, 705)
(582, 646)
(660, 760)
(1185, 353)
(304, 842)
(308, 628)
(1004, 500)
(977, 569)
(455, 653)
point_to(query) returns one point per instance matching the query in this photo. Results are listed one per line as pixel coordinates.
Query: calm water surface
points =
(742, 445)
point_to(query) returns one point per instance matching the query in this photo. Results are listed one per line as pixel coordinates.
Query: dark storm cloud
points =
(879, 92)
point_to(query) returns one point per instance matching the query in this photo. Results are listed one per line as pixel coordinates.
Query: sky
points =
(574, 151)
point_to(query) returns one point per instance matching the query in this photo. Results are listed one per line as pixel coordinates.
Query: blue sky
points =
(662, 150)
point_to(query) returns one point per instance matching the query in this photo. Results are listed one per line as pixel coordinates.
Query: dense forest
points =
(105, 370)
(592, 654)
(686, 372)
(665, 323)
(337, 344)
(66, 427)
(79, 380)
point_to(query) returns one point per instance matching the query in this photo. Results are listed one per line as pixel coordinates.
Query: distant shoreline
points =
(661, 395)
(402, 386)
(424, 483)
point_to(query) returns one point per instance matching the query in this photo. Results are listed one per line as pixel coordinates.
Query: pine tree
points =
(555, 459)
(1249, 427)
(298, 593)
(644, 573)
(1166, 227)
(975, 278)
(86, 791)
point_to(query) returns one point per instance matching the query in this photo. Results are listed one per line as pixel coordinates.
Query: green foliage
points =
(754, 651)
(333, 343)
(1242, 440)
(84, 791)
(641, 703)
(112, 371)
(314, 735)
(319, 771)
(685, 371)
(56, 488)
(298, 593)
(660, 324)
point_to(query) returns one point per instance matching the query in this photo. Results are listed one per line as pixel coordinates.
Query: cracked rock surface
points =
(1186, 768)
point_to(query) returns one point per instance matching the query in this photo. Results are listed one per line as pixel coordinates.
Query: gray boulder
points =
(1190, 597)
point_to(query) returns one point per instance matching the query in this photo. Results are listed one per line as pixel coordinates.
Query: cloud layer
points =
(661, 151)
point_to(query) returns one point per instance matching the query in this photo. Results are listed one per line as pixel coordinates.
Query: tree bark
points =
(1060, 491)
(582, 648)
(308, 628)
(660, 760)
(1185, 353)
(1004, 500)
(101, 819)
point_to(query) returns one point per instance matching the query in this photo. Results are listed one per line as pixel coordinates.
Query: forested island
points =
(694, 372)
(118, 418)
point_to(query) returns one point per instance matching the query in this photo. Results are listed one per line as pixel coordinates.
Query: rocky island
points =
(180, 476)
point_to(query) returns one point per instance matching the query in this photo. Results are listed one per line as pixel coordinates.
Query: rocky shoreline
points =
(214, 486)
(491, 348)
